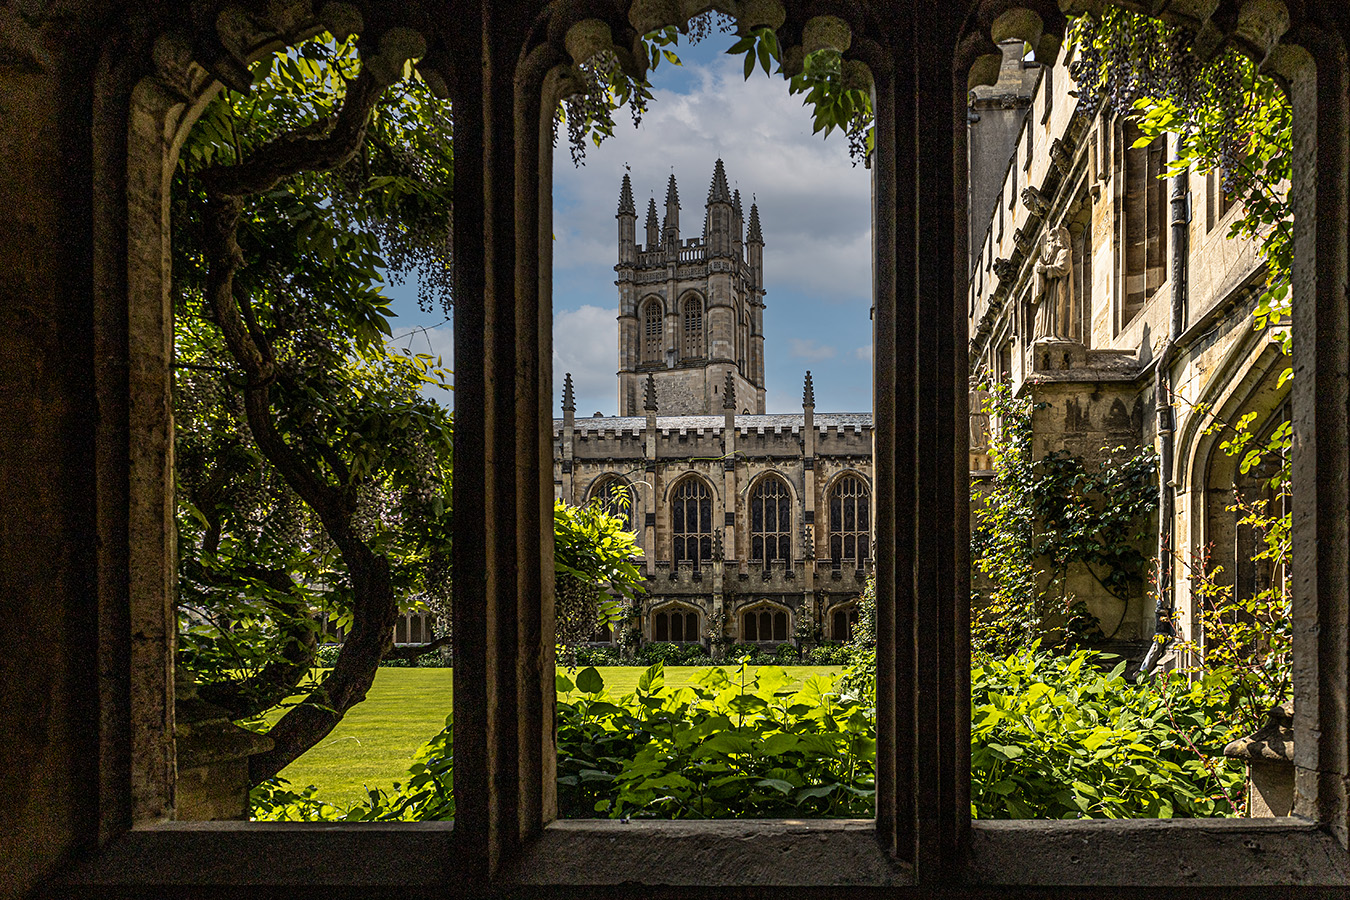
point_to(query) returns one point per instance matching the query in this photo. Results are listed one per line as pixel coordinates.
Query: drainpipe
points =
(1163, 630)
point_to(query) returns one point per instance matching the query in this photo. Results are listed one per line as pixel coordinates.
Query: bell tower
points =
(691, 310)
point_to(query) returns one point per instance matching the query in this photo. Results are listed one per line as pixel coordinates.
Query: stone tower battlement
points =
(691, 310)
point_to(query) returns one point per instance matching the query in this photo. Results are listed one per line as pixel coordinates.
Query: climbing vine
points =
(1043, 520)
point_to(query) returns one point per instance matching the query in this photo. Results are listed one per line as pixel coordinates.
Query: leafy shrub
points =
(751, 654)
(731, 745)
(673, 655)
(828, 655)
(1057, 737)
(327, 655)
(597, 656)
(1052, 736)
(787, 655)
(430, 660)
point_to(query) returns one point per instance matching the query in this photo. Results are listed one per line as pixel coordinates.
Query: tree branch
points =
(412, 651)
(297, 151)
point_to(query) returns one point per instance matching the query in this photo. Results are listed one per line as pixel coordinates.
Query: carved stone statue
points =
(1053, 300)
(979, 416)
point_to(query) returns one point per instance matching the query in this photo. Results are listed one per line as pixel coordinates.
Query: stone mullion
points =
(470, 600)
(1321, 458)
(892, 373)
(941, 764)
(503, 554)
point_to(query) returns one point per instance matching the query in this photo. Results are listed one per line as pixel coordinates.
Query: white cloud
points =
(585, 343)
(809, 350)
(814, 208)
(864, 353)
(813, 202)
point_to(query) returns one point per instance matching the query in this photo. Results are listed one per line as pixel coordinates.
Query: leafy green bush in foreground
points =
(1051, 737)
(730, 745)
(1056, 737)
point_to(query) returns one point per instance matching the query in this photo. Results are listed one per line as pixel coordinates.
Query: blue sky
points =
(815, 211)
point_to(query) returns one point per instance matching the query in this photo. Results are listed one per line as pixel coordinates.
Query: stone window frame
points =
(693, 327)
(760, 608)
(681, 556)
(685, 610)
(653, 345)
(504, 834)
(1153, 250)
(849, 609)
(787, 502)
(836, 528)
(599, 491)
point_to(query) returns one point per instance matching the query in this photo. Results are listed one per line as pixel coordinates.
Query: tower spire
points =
(671, 226)
(729, 393)
(653, 226)
(754, 236)
(717, 191)
(569, 403)
(808, 392)
(626, 206)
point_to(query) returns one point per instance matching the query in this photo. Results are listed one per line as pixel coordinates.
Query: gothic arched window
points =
(651, 336)
(691, 522)
(843, 619)
(693, 328)
(770, 521)
(850, 520)
(764, 623)
(677, 624)
(615, 497)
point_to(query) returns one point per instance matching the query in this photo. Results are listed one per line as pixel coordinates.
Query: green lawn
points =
(376, 740)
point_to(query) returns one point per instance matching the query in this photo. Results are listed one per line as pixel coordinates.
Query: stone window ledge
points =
(689, 854)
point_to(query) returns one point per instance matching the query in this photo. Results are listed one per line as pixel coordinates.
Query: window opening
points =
(850, 520)
(691, 522)
(652, 351)
(770, 521)
(1142, 221)
(693, 328)
(763, 625)
(677, 625)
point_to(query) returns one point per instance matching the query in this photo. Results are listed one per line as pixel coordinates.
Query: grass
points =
(375, 741)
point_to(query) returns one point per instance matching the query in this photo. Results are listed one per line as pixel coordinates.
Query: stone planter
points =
(1269, 755)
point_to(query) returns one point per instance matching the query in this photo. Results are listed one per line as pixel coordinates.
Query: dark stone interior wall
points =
(48, 621)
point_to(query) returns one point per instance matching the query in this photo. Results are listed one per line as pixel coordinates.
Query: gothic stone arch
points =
(96, 505)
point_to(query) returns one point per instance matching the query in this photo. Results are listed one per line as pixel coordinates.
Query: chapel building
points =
(755, 527)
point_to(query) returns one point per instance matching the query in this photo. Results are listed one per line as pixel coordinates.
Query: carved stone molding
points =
(1035, 201)
(1061, 155)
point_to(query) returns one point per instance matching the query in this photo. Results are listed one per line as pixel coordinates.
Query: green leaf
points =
(589, 681)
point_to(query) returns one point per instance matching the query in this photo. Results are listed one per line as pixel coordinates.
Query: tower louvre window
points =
(691, 522)
(770, 521)
(693, 328)
(850, 520)
(651, 342)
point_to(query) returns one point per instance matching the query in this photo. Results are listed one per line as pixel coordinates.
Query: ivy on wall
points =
(1045, 520)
